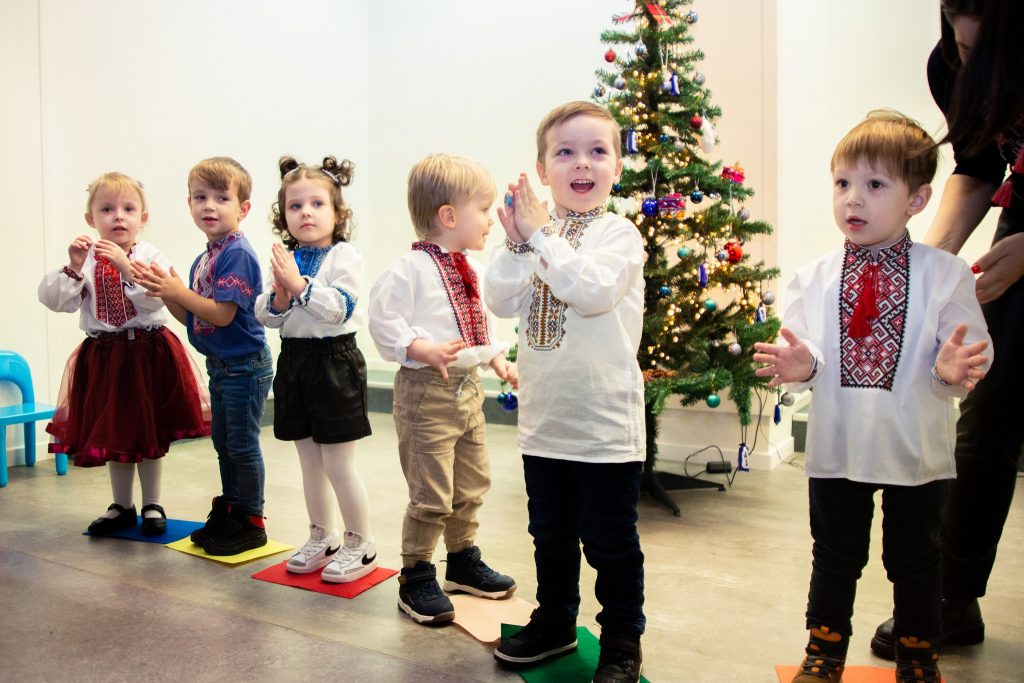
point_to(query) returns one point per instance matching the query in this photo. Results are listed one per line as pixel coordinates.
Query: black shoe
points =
(421, 598)
(961, 625)
(153, 526)
(621, 660)
(104, 526)
(219, 511)
(539, 640)
(825, 657)
(917, 661)
(466, 572)
(238, 533)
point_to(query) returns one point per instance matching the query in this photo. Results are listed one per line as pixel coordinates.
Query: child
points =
(320, 386)
(130, 388)
(575, 280)
(426, 313)
(217, 309)
(878, 329)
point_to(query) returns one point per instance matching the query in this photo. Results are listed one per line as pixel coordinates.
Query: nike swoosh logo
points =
(368, 560)
(331, 551)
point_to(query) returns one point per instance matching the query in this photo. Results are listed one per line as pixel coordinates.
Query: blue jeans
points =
(238, 390)
(595, 503)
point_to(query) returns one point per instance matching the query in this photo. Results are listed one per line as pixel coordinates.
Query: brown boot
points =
(917, 661)
(826, 657)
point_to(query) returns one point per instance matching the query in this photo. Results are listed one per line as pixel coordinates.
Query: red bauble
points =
(734, 251)
(609, 56)
(696, 121)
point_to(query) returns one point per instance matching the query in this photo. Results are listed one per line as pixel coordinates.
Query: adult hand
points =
(1000, 267)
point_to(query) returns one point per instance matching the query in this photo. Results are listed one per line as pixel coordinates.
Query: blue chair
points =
(13, 368)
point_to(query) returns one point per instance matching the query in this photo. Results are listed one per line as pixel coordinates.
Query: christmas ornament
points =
(722, 255)
(696, 121)
(649, 207)
(735, 349)
(691, 17)
(787, 399)
(632, 140)
(777, 413)
(640, 49)
(599, 90)
(609, 56)
(680, 145)
(672, 205)
(508, 199)
(735, 173)
(664, 290)
(617, 187)
(696, 196)
(684, 252)
(713, 400)
(768, 298)
(511, 403)
(707, 136)
(699, 78)
(710, 305)
(503, 398)
(663, 137)
(620, 83)
(761, 315)
(702, 275)
(673, 85)
(734, 251)
(743, 214)
(713, 196)
(743, 458)
(658, 13)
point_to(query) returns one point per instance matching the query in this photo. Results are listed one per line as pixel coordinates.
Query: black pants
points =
(989, 436)
(841, 512)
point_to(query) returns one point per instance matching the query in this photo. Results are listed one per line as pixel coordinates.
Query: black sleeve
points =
(987, 164)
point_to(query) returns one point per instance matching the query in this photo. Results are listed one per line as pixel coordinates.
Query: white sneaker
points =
(318, 551)
(356, 559)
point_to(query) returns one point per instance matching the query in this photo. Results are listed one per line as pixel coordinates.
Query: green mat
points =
(576, 667)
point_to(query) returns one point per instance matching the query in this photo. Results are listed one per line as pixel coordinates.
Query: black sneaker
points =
(421, 598)
(539, 640)
(219, 511)
(468, 573)
(621, 660)
(236, 534)
(126, 519)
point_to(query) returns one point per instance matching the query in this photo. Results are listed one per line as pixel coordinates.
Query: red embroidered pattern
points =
(235, 282)
(871, 361)
(463, 296)
(546, 321)
(112, 307)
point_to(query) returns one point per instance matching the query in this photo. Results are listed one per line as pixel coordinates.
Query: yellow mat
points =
(271, 548)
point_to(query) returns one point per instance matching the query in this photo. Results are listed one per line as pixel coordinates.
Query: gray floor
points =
(726, 585)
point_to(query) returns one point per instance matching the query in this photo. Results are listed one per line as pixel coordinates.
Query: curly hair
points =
(335, 175)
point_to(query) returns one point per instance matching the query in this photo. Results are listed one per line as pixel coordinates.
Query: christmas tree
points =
(705, 304)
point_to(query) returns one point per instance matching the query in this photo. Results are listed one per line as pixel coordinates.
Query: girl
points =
(320, 385)
(130, 388)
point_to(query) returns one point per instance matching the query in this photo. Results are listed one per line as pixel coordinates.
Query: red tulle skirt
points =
(126, 396)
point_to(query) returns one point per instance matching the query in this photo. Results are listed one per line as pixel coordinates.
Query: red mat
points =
(852, 674)
(311, 582)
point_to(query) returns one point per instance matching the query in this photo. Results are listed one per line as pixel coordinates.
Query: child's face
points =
(871, 206)
(309, 213)
(580, 165)
(216, 212)
(471, 222)
(117, 216)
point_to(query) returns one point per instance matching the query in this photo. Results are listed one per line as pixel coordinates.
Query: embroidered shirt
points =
(463, 289)
(578, 293)
(877, 415)
(227, 271)
(106, 302)
(327, 306)
(411, 301)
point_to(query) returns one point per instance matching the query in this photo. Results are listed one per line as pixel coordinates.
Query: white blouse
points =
(579, 296)
(328, 305)
(409, 302)
(878, 415)
(107, 305)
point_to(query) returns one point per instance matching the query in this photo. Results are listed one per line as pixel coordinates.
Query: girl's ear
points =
(446, 215)
(89, 219)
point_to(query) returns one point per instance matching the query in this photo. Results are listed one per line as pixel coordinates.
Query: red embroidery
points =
(463, 292)
(112, 306)
(233, 281)
(870, 360)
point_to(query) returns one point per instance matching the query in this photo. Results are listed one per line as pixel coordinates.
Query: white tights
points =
(122, 483)
(330, 480)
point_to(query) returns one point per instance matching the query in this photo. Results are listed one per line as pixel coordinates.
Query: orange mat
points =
(852, 674)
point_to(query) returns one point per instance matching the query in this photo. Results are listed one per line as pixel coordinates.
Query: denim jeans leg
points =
(551, 505)
(218, 433)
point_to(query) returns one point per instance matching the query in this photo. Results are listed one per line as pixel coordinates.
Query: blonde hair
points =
(441, 179)
(890, 140)
(220, 173)
(117, 182)
(571, 110)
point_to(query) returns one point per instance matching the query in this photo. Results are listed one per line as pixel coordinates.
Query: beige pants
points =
(443, 448)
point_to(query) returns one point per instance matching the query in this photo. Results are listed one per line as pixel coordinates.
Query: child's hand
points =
(506, 371)
(507, 216)
(959, 364)
(437, 356)
(281, 297)
(285, 270)
(78, 250)
(784, 363)
(158, 282)
(116, 255)
(530, 213)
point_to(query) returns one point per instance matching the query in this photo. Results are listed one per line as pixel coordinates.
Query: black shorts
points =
(320, 390)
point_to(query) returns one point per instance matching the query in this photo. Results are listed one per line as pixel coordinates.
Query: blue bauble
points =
(512, 403)
(620, 83)
(691, 17)
(696, 196)
(503, 398)
(599, 91)
(617, 187)
(663, 138)
(710, 304)
(713, 401)
(650, 207)
(664, 290)
(684, 252)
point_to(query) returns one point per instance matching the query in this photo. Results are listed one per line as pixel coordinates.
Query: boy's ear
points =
(446, 215)
(542, 173)
(243, 210)
(919, 199)
(89, 219)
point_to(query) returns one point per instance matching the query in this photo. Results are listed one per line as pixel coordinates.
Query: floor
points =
(726, 585)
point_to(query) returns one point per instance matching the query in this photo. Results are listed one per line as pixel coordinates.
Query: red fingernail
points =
(975, 269)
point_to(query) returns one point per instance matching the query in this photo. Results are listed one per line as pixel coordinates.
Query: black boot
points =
(219, 511)
(621, 659)
(961, 625)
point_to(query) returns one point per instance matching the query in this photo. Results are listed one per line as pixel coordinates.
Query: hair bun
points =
(342, 171)
(286, 165)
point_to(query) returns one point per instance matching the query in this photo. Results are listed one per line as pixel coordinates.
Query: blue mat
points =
(177, 529)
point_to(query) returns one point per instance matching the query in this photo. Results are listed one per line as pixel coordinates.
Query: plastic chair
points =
(13, 368)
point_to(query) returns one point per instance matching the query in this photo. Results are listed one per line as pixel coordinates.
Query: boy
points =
(878, 329)
(218, 311)
(426, 314)
(576, 282)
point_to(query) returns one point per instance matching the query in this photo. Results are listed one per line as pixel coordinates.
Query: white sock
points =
(339, 462)
(150, 477)
(320, 504)
(122, 481)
